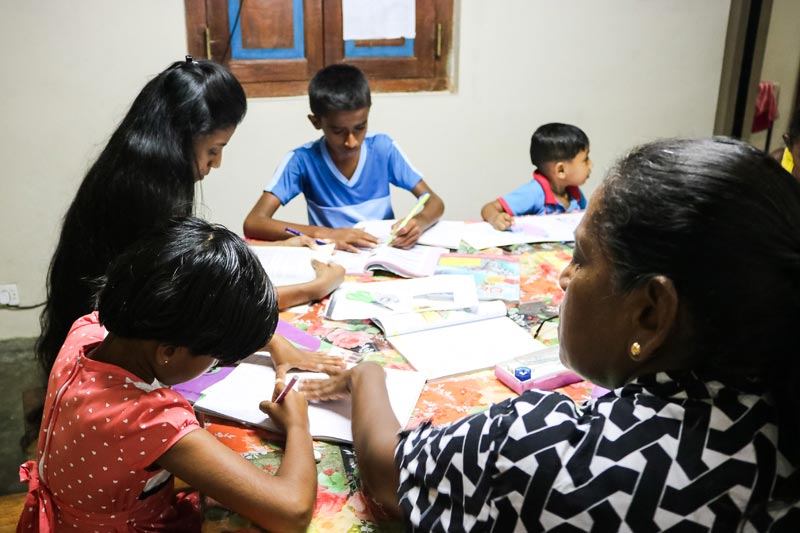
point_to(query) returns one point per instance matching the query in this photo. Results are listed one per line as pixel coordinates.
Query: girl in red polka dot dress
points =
(114, 433)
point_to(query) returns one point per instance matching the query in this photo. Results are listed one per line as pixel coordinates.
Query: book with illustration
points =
(496, 276)
(354, 300)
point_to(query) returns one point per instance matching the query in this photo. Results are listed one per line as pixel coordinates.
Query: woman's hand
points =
(333, 388)
(365, 375)
(294, 358)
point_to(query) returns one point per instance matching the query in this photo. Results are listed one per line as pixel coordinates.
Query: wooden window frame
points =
(208, 35)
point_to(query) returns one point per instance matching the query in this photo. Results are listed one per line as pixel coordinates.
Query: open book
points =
(416, 262)
(448, 342)
(353, 301)
(289, 265)
(526, 229)
(238, 395)
(194, 388)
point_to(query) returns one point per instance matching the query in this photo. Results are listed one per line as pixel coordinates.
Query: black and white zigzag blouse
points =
(668, 452)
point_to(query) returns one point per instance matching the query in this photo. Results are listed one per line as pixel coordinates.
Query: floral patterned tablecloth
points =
(340, 503)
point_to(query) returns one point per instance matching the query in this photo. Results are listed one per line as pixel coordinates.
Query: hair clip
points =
(190, 60)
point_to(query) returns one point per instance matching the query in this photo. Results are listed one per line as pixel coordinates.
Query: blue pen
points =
(298, 234)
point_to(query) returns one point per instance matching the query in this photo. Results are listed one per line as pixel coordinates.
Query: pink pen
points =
(286, 389)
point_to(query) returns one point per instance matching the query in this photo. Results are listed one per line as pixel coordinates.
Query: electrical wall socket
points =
(9, 295)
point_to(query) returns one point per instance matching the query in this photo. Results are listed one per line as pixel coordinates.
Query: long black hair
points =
(144, 175)
(721, 219)
(193, 284)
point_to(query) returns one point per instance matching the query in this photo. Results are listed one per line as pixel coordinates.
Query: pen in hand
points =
(286, 389)
(298, 234)
(414, 212)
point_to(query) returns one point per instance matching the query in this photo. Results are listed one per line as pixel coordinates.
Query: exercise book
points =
(290, 265)
(194, 388)
(416, 262)
(238, 395)
(450, 342)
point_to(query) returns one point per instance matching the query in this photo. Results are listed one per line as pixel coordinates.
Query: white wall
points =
(626, 71)
(781, 65)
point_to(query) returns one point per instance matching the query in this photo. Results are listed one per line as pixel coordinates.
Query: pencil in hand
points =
(414, 212)
(286, 389)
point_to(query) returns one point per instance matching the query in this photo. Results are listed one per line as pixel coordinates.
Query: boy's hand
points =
(502, 221)
(329, 275)
(292, 412)
(408, 234)
(351, 239)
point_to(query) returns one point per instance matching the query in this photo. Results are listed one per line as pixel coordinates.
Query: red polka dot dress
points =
(102, 431)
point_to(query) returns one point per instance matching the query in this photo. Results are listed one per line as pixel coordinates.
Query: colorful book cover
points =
(496, 276)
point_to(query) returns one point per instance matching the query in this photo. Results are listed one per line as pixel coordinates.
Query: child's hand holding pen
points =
(406, 232)
(502, 221)
(302, 240)
(288, 409)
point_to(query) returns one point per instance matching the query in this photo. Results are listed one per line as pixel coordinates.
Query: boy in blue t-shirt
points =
(560, 153)
(344, 175)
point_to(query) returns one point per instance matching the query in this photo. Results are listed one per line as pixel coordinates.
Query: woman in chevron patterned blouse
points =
(683, 298)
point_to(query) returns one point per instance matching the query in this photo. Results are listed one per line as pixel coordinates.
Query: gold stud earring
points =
(166, 361)
(636, 349)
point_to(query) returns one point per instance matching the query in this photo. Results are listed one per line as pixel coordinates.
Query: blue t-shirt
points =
(536, 198)
(335, 201)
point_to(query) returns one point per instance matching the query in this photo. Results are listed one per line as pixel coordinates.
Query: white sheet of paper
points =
(289, 265)
(445, 233)
(441, 352)
(526, 229)
(378, 19)
(237, 397)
